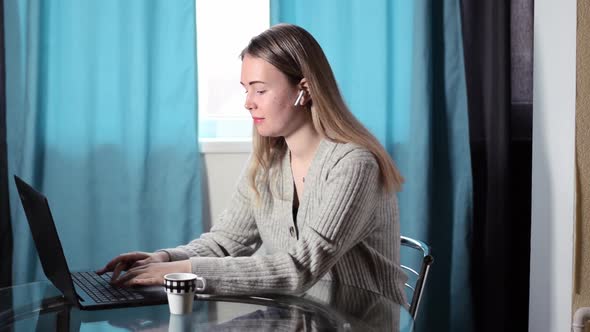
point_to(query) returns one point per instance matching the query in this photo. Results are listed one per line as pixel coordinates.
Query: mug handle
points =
(200, 289)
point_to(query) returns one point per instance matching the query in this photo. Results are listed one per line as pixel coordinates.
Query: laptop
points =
(87, 290)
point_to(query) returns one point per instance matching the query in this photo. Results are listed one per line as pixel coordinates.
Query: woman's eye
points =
(260, 92)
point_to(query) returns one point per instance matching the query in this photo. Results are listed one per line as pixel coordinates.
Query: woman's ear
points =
(306, 97)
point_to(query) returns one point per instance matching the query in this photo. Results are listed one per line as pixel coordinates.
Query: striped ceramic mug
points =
(180, 288)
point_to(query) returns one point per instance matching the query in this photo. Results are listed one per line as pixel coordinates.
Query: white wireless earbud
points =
(299, 96)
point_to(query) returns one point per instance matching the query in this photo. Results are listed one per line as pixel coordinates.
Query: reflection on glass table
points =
(325, 307)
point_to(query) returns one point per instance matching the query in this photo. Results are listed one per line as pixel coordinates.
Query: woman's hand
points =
(151, 273)
(131, 260)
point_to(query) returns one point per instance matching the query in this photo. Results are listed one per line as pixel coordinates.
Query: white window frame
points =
(224, 27)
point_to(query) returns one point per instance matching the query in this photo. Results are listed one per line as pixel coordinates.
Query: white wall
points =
(553, 165)
(223, 164)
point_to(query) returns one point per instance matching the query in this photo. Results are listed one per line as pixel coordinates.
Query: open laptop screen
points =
(46, 239)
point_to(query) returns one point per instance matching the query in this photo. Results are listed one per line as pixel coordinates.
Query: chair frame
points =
(427, 260)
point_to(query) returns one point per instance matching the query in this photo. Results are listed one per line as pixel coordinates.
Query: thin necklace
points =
(303, 177)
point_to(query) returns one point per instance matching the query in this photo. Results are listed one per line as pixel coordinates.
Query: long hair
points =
(297, 54)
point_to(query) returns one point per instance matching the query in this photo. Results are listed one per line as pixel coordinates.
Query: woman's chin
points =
(266, 133)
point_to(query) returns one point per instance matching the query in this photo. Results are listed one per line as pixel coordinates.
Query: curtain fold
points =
(400, 67)
(102, 119)
(498, 60)
(5, 222)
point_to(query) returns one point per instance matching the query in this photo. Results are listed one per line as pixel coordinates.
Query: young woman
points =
(320, 191)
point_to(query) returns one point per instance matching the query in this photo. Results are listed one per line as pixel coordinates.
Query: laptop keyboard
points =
(100, 290)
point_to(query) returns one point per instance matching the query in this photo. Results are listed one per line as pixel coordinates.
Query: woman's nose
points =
(248, 104)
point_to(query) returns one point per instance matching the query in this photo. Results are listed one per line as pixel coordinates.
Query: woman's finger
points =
(121, 258)
(122, 266)
(132, 273)
(126, 277)
(138, 269)
(143, 281)
(139, 263)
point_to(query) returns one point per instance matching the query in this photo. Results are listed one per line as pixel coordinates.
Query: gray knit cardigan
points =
(346, 230)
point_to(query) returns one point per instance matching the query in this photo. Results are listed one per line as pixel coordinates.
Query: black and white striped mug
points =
(180, 288)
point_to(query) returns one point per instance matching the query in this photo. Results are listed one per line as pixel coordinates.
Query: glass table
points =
(325, 307)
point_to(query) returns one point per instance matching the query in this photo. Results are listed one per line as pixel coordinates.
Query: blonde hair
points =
(297, 54)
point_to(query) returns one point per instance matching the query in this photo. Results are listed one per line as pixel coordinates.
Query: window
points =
(224, 28)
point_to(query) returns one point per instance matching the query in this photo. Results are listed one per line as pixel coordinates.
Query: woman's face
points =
(270, 98)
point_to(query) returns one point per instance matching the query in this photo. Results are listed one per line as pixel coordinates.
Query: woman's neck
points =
(303, 142)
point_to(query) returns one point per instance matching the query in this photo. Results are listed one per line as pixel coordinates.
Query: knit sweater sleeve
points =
(234, 234)
(344, 218)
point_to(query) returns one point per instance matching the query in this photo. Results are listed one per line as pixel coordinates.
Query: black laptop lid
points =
(46, 239)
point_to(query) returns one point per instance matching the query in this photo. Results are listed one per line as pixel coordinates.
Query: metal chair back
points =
(421, 275)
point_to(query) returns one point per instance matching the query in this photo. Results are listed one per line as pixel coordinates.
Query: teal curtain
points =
(400, 67)
(101, 117)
